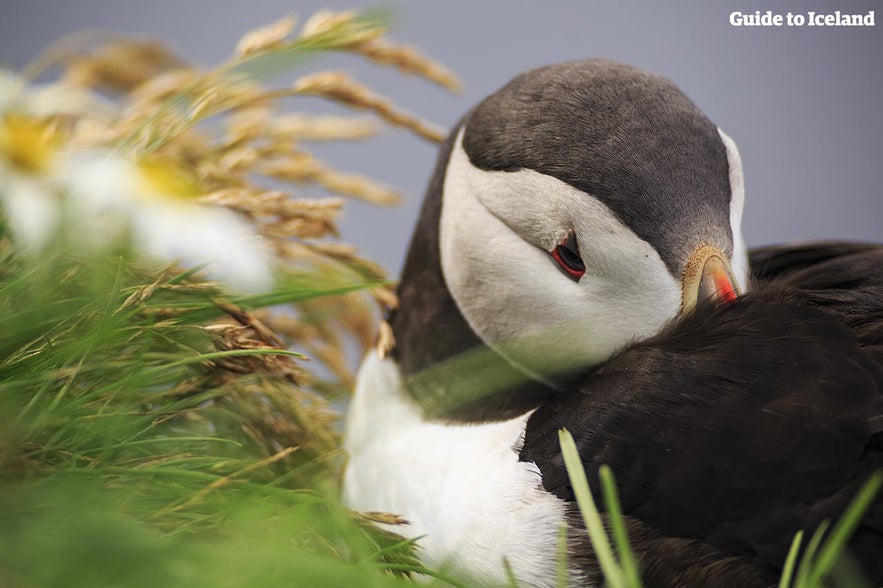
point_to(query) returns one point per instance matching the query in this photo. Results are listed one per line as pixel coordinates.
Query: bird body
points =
(578, 263)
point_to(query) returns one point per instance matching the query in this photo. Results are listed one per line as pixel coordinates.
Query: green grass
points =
(619, 569)
(134, 452)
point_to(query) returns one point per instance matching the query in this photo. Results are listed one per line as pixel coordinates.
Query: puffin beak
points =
(708, 274)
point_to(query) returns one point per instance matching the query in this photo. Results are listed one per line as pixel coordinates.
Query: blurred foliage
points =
(156, 427)
(143, 447)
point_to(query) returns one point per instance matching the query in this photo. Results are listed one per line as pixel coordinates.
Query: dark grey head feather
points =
(627, 137)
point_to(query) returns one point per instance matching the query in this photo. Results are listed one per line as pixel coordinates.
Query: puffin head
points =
(576, 210)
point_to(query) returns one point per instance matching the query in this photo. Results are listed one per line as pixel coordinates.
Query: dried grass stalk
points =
(301, 127)
(267, 37)
(409, 60)
(344, 27)
(341, 88)
(164, 86)
(302, 167)
(120, 66)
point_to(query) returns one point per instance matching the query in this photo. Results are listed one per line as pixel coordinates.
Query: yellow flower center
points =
(162, 178)
(29, 144)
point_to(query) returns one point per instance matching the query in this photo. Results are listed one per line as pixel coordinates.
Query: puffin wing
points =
(811, 260)
(736, 427)
(845, 279)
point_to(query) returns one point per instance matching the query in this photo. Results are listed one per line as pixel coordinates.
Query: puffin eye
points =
(567, 255)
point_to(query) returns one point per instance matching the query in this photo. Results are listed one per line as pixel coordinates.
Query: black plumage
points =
(741, 423)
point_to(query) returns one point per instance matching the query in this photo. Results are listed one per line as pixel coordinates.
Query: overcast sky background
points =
(804, 105)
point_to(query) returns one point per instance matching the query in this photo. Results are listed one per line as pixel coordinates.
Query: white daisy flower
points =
(155, 204)
(105, 197)
(29, 157)
(32, 160)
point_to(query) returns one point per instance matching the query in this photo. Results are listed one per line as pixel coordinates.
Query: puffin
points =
(578, 264)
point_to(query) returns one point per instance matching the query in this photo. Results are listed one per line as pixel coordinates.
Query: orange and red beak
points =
(708, 274)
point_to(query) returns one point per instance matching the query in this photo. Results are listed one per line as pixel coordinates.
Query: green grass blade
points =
(591, 517)
(398, 546)
(228, 353)
(790, 561)
(418, 570)
(627, 559)
(201, 310)
(806, 561)
(835, 543)
(511, 580)
(562, 570)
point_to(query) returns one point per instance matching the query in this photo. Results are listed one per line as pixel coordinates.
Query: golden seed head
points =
(164, 86)
(325, 20)
(265, 38)
(341, 88)
(341, 28)
(301, 127)
(120, 66)
(408, 60)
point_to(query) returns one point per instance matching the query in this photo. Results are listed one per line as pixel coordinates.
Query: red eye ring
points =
(567, 255)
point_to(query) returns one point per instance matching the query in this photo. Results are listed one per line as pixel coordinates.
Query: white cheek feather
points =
(739, 259)
(460, 486)
(495, 231)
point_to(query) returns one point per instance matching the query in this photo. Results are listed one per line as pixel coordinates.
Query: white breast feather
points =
(461, 486)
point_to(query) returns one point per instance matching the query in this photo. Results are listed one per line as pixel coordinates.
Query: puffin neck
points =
(447, 369)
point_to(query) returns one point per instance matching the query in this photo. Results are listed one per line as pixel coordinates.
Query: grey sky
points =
(803, 104)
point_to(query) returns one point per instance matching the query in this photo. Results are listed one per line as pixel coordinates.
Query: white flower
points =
(31, 212)
(197, 234)
(28, 160)
(106, 197)
(156, 204)
(32, 160)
